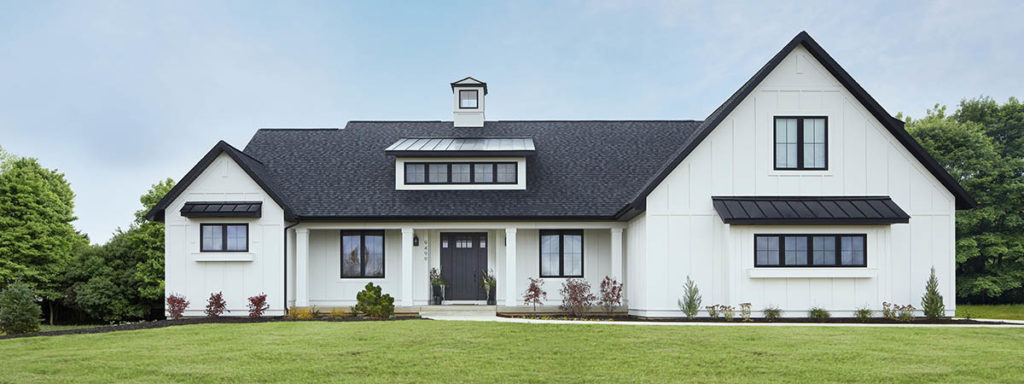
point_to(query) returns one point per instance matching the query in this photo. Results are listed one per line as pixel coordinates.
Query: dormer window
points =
(462, 173)
(469, 99)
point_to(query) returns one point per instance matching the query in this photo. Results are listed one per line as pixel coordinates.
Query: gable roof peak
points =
(893, 125)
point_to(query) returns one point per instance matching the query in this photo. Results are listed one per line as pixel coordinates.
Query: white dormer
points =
(469, 102)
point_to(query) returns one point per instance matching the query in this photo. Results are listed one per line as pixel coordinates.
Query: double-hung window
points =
(224, 237)
(561, 253)
(801, 143)
(811, 250)
(362, 254)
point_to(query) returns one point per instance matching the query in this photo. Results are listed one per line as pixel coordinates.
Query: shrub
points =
(863, 314)
(611, 294)
(906, 313)
(771, 313)
(215, 306)
(315, 310)
(371, 303)
(258, 305)
(931, 302)
(300, 313)
(176, 306)
(887, 311)
(535, 294)
(712, 311)
(576, 297)
(745, 311)
(690, 303)
(19, 312)
(819, 314)
(487, 280)
(728, 312)
(338, 312)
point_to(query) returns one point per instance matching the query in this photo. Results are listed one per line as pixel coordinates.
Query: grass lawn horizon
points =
(443, 351)
(999, 311)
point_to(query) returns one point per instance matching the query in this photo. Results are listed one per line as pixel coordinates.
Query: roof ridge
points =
(530, 121)
(299, 129)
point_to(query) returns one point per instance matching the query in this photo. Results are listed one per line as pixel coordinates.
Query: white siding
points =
(224, 180)
(684, 236)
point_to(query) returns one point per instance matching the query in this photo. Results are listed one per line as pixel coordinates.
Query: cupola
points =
(468, 95)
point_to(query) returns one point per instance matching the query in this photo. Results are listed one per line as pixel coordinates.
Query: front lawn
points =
(1005, 312)
(441, 351)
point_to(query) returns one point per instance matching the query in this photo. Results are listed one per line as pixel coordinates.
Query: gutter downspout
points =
(286, 266)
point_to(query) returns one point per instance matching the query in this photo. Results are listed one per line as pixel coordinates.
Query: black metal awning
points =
(222, 209)
(815, 210)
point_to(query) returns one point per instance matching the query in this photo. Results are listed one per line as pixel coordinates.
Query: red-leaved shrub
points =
(258, 305)
(576, 297)
(611, 294)
(215, 306)
(176, 306)
(535, 294)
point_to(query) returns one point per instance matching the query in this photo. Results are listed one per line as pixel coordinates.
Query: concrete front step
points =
(457, 310)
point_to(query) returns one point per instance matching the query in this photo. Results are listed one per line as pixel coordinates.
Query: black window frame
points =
(800, 143)
(472, 172)
(561, 252)
(810, 250)
(476, 94)
(223, 236)
(362, 253)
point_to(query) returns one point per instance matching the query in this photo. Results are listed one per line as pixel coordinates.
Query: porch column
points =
(511, 292)
(617, 254)
(407, 235)
(301, 267)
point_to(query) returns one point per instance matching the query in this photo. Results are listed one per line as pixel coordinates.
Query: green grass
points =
(438, 351)
(1005, 312)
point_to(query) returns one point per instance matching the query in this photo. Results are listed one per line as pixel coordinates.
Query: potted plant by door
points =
(436, 287)
(489, 282)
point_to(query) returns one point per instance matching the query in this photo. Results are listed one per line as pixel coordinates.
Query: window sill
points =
(796, 172)
(812, 273)
(222, 256)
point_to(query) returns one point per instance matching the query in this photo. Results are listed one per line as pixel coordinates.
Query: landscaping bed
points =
(191, 321)
(836, 320)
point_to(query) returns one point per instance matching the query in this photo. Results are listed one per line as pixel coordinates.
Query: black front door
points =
(463, 262)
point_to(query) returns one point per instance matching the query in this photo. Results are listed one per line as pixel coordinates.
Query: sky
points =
(120, 95)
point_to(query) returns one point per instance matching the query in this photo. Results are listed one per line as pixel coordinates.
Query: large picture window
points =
(462, 173)
(224, 237)
(801, 143)
(811, 250)
(362, 254)
(561, 253)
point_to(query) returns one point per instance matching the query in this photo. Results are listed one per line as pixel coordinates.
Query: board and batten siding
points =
(238, 275)
(684, 236)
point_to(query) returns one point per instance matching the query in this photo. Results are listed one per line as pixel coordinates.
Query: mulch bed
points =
(191, 321)
(836, 320)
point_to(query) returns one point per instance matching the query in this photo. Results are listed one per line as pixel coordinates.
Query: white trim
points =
(400, 173)
(812, 273)
(464, 225)
(222, 256)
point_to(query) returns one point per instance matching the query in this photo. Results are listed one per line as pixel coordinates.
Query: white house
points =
(799, 191)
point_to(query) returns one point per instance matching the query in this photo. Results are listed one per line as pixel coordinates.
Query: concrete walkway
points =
(490, 317)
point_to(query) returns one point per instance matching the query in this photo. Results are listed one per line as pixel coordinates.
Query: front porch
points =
(407, 252)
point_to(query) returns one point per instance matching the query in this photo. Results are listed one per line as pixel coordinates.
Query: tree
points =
(19, 312)
(36, 235)
(124, 278)
(690, 303)
(977, 149)
(931, 302)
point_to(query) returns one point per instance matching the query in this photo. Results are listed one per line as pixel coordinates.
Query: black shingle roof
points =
(778, 210)
(581, 169)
